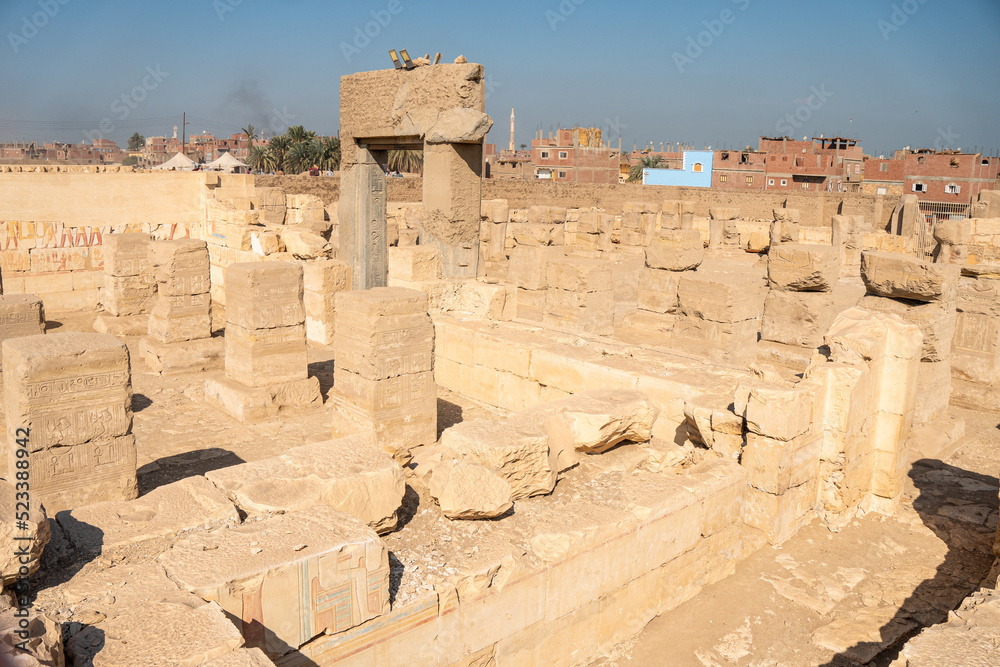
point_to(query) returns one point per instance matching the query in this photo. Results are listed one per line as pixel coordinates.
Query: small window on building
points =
(884, 166)
(562, 174)
(563, 155)
(919, 187)
(985, 162)
(921, 160)
(723, 178)
(882, 191)
(857, 169)
(698, 168)
(545, 155)
(805, 186)
(952, 189)
(725, 155)
(750, 179)
(784, 182)
(770, 181)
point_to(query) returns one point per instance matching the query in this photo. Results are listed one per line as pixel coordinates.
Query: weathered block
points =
(415, 263)
(33, 536)
(936, 320)
(803, 268)
(202, 354)
(180, 267)
(68, 399)
(658, 291)
(903, 277)
(262, 357)
(797, 318)
(676, 250)
(251, 404)
(126, 255)
(716, 297)
(363, 229)
(264, 295)
(21, 315)
(127, 295)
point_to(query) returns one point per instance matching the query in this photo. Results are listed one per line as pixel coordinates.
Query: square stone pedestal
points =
(125, 325)
(250, 404)
(205, 354)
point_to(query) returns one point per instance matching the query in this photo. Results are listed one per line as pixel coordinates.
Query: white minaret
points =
(512, 130)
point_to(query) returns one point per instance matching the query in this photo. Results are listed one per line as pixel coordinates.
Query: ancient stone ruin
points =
(246, 427)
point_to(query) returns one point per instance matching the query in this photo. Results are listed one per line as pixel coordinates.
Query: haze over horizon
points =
(719, 73)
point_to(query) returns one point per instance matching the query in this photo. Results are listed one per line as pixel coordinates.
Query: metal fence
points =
(941, 210)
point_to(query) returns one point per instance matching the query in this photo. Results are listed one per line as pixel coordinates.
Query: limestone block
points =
(469, 491)
(937, 321)
(716, 297)
(167, 510)
(261, 357)
(24, 546)
(495, 210)
(21, 315)
(415, 263)
(271, 203)
(326, 275)
(73, 393)
(191, 306)
(205, 354)
(528, 266)
(780, 516)
(933, 391)
(953, 232)
(516, 451)
(127, 295)
(180, 329)
(724, 342)
(577, 274)
(589, 312)
(332, 575)
(179, 267)
(676, 250)
(546, 214)
(320, 316)
(530, 304)
(595, 421)
(304, 243)
(394, 345)
(803, 268)
(539, 234)
(188, 635)
(797, 318)
(594, 222)
(349, 475)
(903, 277)
(858, 335)
(786, 215)
(658, 290)
(775, 466)
(778, 412)
(264, 295)
(126, 254)
(719, 213)
(29, 639)
(976, 349)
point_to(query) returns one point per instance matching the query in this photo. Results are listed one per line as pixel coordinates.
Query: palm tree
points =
(647, 162)
(298, 134)
(406, 160)
(327, 153)
(261, 158)
(279, 145)
(136, 142)
(249, 130)
(300, 157)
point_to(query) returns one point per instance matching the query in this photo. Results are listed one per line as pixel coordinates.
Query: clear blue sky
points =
(919, 72)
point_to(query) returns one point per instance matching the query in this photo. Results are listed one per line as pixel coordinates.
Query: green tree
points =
(298, 134)
(136, 142)
(410, 161)
(327, 153)
(249, 131)
(300, 157)
(262, 158)
(647, 162)
(130, 161)
(279, 146)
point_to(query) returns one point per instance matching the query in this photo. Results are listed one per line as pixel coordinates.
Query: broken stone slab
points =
(165, 511)
(858, 336)
(415, 263)
(350, 475)
(775, 411)
(189, 636)
(516, 450)
(797, 318)
(595, 421)
(21, 315)
(458, 125)
(676, 250)
(719, 213)
(126, 325)
(712, 423)
(803, 268)
(22, 550)
(250, 404)
(718, 297)
(937, 321)
(904, 277)
(288, 578)
(469, 491)
(192, 356)
(30, 640)
(304, 243)
(786, 215)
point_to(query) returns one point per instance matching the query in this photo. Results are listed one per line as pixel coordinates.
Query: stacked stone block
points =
(182, 310)
(580, 296)
(266, 362)
(495, 215)
(384, 376)
(68, 403)
(20, 315)
(976, 348)
(322, 280)
(718, 317)
(528, 271)
(799, 308)
(923, 294)
(591, 231)
(128, 287)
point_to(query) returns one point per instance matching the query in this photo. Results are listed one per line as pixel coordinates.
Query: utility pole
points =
(184, 124)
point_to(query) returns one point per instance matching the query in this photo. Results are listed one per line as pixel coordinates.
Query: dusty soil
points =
(850, 598)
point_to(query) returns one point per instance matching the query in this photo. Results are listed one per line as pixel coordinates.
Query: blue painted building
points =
(696, 173)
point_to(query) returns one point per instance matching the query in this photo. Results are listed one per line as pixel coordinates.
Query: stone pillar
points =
(322, 280)
(362, 231)
(452, 205)
(384, 377)
(72, 392)
(128, 288)
(180, 322)
(267, 366)
(20, 315)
